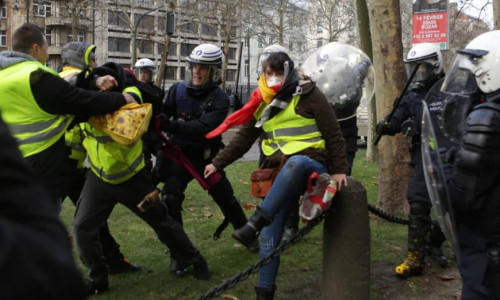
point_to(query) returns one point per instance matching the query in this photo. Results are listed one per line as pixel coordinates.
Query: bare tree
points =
(385, 25)
(273, 21)
(336, 16)
(225, 17)
(496, 14)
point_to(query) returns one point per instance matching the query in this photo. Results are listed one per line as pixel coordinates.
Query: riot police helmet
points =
(430, 61)
(144, 69)
(204, 67)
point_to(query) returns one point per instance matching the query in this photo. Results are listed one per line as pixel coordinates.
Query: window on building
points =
(247, 68)
(171, 73)
(319, 43)
(231, 75)
(79, 38)
(231, 53)
(145, 46)
(208, 30)
(48, 9)
(3, 11)
(183, 73)
(119, 44)
(161, 23)
(118, 18)
(172, 49)
(186, 49)
(262, 40)
(189, 28)
(39, 8)
(3, 38)
(319, 27)
(290, 46)
(247, 42)
(48, 36)
(147, 22)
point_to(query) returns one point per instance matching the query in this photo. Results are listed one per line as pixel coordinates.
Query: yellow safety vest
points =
(109, 160)
(34, 129)
(289, 132)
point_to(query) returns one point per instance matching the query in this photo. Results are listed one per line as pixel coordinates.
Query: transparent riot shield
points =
(435, 179)
(344, 74)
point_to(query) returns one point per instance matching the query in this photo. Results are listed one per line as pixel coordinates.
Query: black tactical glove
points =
(167, 124)
(382, 128)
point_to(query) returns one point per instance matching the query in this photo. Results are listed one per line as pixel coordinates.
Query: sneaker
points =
(122, 265)
(413, 265)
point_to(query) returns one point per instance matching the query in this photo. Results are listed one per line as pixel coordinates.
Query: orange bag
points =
(262, 179)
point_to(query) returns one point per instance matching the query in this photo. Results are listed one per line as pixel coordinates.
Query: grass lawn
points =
(300, 265)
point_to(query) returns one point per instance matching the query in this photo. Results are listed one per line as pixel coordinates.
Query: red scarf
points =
(241, 116)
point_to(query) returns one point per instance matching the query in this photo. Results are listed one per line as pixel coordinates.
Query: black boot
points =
(98, 278)
(247, 235)
(265, 293)
(435, 251)
(179, 265)
(234, 213)
(418, 230)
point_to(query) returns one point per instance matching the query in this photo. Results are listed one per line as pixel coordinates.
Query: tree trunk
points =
(365, 43)
(163, 64)
(496, 14)
(385, 25)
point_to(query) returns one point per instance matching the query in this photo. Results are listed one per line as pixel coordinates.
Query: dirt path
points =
(435, 284)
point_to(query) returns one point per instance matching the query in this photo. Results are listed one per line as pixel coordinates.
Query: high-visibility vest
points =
(109, 160)
(290, 132)
(34, 129)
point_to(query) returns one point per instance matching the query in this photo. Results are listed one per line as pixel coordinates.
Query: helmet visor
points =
(201, 75)
(424, 73)
(460, 79)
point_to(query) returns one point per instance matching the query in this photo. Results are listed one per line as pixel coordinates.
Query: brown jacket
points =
(312, 104)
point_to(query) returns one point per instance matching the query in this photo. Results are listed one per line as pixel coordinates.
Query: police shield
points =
(344, 74)
(435, 179)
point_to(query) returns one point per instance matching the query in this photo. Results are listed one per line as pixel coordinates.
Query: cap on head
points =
(77, 54)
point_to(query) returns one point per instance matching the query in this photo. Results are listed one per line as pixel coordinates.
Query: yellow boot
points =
(413, 265)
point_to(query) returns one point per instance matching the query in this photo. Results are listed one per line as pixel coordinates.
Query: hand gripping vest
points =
(109, 160)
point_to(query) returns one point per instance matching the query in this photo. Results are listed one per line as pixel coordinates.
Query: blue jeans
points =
(286, 190)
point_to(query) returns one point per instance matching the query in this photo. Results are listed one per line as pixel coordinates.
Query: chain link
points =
(243, 275)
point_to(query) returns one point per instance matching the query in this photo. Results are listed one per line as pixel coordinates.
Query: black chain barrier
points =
(385, 215)
(243, 275)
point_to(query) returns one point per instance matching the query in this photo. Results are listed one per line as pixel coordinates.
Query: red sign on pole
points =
(430, 22)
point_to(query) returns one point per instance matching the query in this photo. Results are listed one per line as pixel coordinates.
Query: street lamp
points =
(169, 31)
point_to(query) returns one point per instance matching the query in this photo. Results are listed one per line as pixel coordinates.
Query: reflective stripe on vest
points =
(34, 129)
(111, 161)
(290, 132)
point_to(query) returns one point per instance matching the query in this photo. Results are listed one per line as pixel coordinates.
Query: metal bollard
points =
(346, 246)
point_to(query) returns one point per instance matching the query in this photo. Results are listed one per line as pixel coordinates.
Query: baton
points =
(398, 100)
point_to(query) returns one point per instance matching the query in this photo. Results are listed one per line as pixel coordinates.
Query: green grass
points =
(300, 265)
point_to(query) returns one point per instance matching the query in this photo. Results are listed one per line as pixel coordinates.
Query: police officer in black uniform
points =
(190, 110)
(475, 182)
(423, 235)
